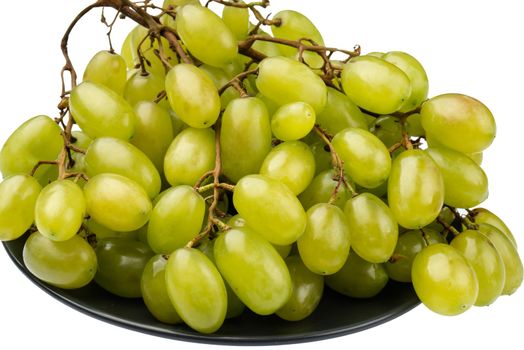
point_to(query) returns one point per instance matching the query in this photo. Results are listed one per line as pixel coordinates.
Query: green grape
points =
(366, 159)
(117, 202)
(473, 126)
(177, 123)
(446, 215)
(409, 244)
(444, 280)
(370, 120)
(254, 270)
(268, 48)
(374, 231)
(205, 35)
(415, 189)
(388, 129)
(269, 207)
(236, 221)
(416, 74)
(237, 20)
(125, 159)
(192, 95)
(293, 121)
(102, 232)
(18, 196)
(245, 137)
(324, 246)
(375, 84)
(221, 78)
(283, 250)
(154, 291)
(465, 183)
(270, 104)
(486, 261)
(292, 163)
(284, 81)
(108, 69)
(80, 139)
(484, 216)
(321, 189)
(196, 289)
(476, 157)
(121, 263)
(323, 158)
(358, 278)
(176, 219)
(60, 210)
(307, 291)
(153, 132)
(190, 155)
(37, 139)
(414, 125)
(144, 87)
(509, 254)
(340, 113)
(68, 264)
(111, 115)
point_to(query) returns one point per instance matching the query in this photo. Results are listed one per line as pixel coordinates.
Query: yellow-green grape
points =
(459, 122)
(176, 219)
(292, 163)
(409, 244)
(121, 263)
(270, 104)
(192, 95)
(415, 189)
(144, 87)
(486, 261)
(340, 113)
(108, 69)
(324, 246)
(68, 264)
(484, 216)
(366, 159)
(512, 262)
(283, 250)
(370, 120)
(284, 81)
(358, 278)
(190, 155)
(102, 232)
(465, 183)
(293, 121)
(60, 210)
(323, 158)
(388, 129)
(444, 280)
(37, 139)
(221, 78)
(236, 221)
(266, 47)
(245, 137)
(177, 123)
(125, 160)
(321, 189)
(374, 231)
(375, 85)
(270, 208)
(237, 20)
(206, 35)
(196, 289)
(414, 125)
(153, 132)
(254, 270)
(117, 202)
(18, 196)
(376, 54)
(416, 74)
(307, 291)
(476, 157)
(110, 115)
(154, 291)
(80, 140)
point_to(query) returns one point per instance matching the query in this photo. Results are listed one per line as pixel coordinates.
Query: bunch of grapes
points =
(212, 166)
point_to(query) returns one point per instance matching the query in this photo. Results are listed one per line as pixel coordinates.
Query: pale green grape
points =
(415, 189)
(444, 280)
(245, 137)
(375, 85)
(177, 123)
(190, 155)
(192, 95)
(221, 78)
(99, 111)
(270, 208)
(175, 220)
(254, 270)
(476, 157)
(18, 196)
(80, 140)
(387, 129)
(267, 48)
(340, 113)
(321, 189)
(484, 216)
(293, 121)
(323, 158)
(366, 159)
(196, 289)
(68, 264)
(60, 210)
(270, 104)
(446, 215)
(283, 250)
(117, 202)
(144, 87)
(108, 69)
(374, 231)
(102, 232)
(237, 221)
(237, 20)
(414, 125)
(125, 159)
(459, 122)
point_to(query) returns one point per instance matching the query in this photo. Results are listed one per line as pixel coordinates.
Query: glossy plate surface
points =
(335, 316)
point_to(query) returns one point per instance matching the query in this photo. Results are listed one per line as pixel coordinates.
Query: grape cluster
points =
(212, 166)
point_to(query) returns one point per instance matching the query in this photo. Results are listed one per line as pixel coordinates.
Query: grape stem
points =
(237, 82)
(447, 226)
(252, 7)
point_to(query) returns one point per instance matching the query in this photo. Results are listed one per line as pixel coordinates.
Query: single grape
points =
(484, 216)
(340, 113)
(220, 78)
(414, 125)
(323, 158)
(476, 157)
(267, 48)
(237, 20)
(108, 69)
(387, 129)
(321, 189)
(80, 140)
(293, 121)
(144, 87)
(102, 232)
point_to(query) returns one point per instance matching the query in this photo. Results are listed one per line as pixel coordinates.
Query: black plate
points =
(335, 316)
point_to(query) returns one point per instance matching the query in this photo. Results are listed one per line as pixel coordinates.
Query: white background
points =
(472, 47)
